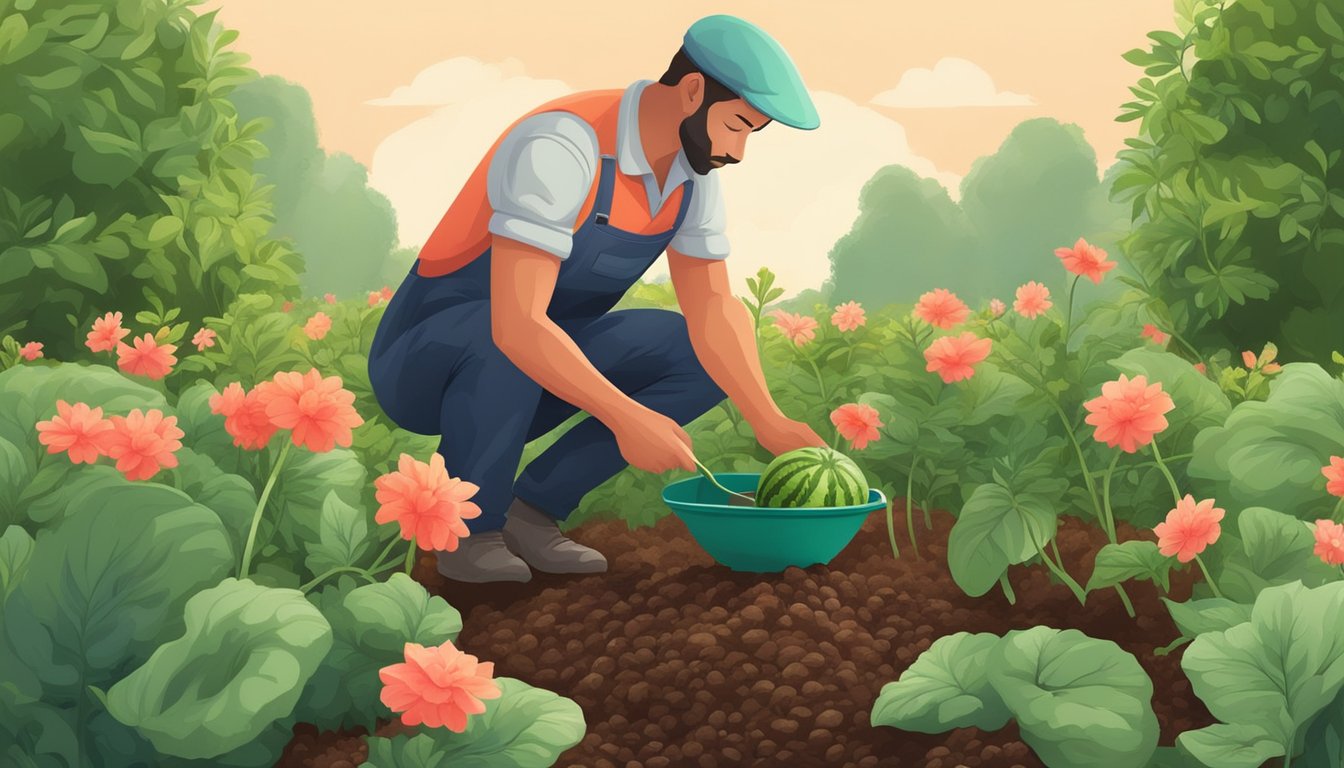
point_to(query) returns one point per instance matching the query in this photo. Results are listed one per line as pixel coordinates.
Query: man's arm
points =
(522, 280)
(724, 340)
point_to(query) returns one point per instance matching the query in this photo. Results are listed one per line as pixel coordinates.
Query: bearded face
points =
(697, 144)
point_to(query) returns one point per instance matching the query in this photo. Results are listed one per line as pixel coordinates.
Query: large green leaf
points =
(229, 496)
(305, 480)
(945, 688)
(996, 529)
(16, 547)
(1275, 549)
(1267, 678)
(371, 626)
(525, 727)
(244, 659)
(1270, 453)
(343, 536)
(1325, 737)
(107, 585)
(1214, 614)
(1078, 700)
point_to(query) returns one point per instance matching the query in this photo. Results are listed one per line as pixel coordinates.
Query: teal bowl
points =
(763, 539)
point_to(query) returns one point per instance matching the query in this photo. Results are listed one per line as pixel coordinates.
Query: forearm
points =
(550, 357)
(725, 342)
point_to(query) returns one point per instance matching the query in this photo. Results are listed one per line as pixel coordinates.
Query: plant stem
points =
(1208, 578)
(1136, 465)
(410, 556)
(1068, 313)
(909, 505)
(1007, 589)
(1162, 465)
(1338, 515)
(332, 572)
(261, 505)
(820, 384)
(1082, 462)
(386, 549)
(1124, 598)
(1058, 570)
(891, 528)
(1109, 523)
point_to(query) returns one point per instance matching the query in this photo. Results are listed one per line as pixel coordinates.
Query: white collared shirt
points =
(544, 168)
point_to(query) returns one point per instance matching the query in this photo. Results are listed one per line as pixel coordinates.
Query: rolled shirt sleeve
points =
(702, 233)
(539, 179)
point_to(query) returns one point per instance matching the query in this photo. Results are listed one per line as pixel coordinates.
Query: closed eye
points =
(731, 128)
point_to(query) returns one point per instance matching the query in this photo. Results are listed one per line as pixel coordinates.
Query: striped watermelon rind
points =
(812, 477)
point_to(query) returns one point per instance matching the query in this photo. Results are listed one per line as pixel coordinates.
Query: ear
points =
(691, 91)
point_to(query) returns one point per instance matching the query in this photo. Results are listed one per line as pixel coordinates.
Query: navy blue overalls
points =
(435, 369)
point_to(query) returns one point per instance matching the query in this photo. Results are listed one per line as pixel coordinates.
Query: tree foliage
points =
(125, 176)
(1234, 180)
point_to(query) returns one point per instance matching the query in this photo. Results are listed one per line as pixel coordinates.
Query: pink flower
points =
(318, 411)
(374, 298)
(204, 339)
(941, 308)
(799, 329)
(438, 687)
(147, 358)
(1248, 357)
(1033, 299)
(245, 417)
(143, 443)
(428, 503)
(330, 298)
(997, 308)
(387, 293)
(1188, 529)
(1334, 475)
(1151, 331)
(1201, 367)
(31, 351)
(857, 422)
(1085, 259)
(317, 326)
(78, 430)
(1329, 542)
(107, 333)
(1129, 412)
(287, 306)
(954, 357)
(848, 316)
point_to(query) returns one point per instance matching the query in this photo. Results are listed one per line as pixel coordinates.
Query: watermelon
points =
(812, 477)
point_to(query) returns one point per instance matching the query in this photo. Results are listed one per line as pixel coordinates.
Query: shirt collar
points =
(630, 151)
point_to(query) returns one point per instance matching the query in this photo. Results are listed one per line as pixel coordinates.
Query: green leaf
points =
(1215, 614)
(1272, 674)
(945, 688)
(1230, 746)
(16, 547)
(107, 584)
(1077, 700)
(1329, 24)
(1325, 738)
(995, 530)
(1270, 453)
(342, 536)
(242, 663)
(164, 231)
(525, 727)
(1117, 563)
(305, 481)
(1276, 549)
(418, 751)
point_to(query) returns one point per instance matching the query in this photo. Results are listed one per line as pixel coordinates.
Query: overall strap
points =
(687, 188)
(602, 206)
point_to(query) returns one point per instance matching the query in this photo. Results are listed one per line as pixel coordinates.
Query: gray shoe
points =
(483, 557)
(534, 536)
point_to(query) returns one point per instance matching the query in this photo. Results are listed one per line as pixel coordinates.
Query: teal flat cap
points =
(752, 65)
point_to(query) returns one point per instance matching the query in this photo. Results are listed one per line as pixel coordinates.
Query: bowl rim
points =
(721, 510)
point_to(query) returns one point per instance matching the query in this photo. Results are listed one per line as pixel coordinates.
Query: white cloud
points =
(795, 193)
(952, 82)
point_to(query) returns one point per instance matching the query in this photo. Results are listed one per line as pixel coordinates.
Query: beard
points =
(694, 133)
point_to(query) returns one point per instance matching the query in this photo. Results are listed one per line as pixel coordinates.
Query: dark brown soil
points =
(677, 661)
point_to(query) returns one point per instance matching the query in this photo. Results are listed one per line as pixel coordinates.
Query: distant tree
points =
(344, 228)
(126, 179)
(1039, 191)
(1235, 180)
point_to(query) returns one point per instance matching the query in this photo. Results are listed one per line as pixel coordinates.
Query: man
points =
(503, 328)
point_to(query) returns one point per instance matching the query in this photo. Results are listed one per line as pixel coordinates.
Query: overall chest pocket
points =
(618, 265)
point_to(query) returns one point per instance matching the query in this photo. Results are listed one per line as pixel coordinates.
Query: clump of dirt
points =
(677, 661)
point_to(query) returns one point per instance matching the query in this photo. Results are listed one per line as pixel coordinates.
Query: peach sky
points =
(1055, 58)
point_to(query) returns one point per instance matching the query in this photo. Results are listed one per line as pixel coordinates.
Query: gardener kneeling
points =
(503, 328)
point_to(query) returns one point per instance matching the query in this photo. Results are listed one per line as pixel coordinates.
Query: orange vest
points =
(463, 233)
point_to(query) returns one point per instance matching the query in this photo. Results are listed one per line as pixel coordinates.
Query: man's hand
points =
(653, 442)
(782, 435)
